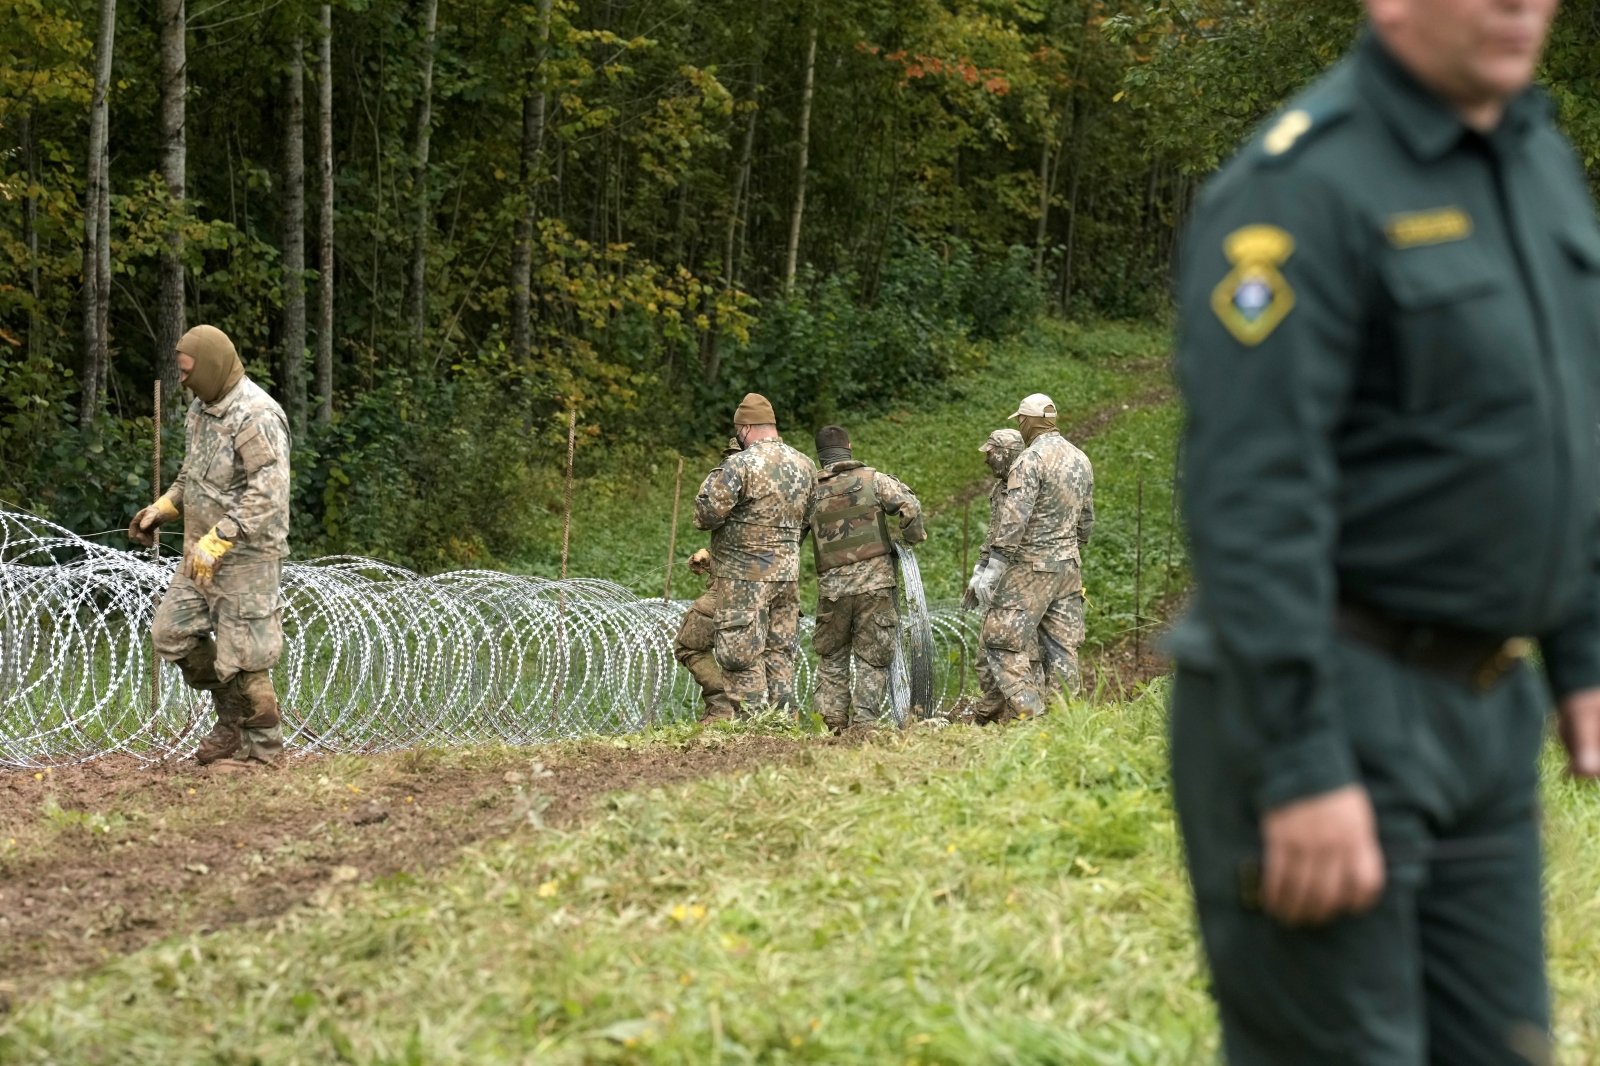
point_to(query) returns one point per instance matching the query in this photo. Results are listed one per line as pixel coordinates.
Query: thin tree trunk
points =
(96, 225)
(417, 309)
(325, 219)
(533, 124)
(293, 353)
(1072, 207)
(170, 320)
(791, 262)
(741, 184)
(30, 233)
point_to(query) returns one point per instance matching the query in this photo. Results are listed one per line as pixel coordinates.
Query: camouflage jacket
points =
(869, 575)
(757, 505)
(1047, 511)
(235, 474)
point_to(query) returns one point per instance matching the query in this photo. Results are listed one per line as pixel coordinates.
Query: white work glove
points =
(969, 597)
(983, 583)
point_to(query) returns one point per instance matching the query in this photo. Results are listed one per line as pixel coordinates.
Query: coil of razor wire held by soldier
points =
(375, 657)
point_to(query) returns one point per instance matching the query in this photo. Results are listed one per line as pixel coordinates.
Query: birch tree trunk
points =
(534, 103)
(792, 260)
(96, 226)
(325, 219)
(417, 303)
(170, 318)
(293, 354)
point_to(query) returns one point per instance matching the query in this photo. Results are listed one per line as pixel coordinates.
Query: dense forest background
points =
(434, 227)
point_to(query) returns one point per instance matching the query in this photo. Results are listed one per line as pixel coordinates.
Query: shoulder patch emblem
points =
(1288, 129)
(1420, 228)
(1254, 297)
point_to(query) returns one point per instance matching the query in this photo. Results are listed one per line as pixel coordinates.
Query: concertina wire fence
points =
(377, 657)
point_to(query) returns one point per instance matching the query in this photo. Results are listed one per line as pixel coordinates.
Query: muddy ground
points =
(103, 858)
(100, 859)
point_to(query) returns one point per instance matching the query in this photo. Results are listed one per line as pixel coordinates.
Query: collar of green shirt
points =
(1421, 120)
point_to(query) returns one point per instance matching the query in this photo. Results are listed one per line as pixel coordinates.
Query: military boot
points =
(263, 732)
(226, 737)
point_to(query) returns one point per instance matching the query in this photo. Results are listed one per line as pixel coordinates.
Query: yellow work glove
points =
(700, 562)
(208, 552)
(142, 530)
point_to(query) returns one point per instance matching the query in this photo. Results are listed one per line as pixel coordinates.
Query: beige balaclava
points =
(217, 368)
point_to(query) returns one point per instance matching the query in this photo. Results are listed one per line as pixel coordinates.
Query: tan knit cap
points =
(754, 410)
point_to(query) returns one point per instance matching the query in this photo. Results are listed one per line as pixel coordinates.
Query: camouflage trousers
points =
(992, 702)
(696, 637)
(226, 638)
(757, 640)
(1034, 600)
(861, 626)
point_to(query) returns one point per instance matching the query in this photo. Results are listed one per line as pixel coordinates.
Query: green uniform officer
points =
(1390, 352)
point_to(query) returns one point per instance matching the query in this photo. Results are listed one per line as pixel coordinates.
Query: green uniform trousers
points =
(1449, 967)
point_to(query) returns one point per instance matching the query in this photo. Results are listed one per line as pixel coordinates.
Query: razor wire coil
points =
(375, 657)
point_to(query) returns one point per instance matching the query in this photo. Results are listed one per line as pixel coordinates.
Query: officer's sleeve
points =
(1271, 319)
(263, 449)
(1571, 652)
(1015, 506)
(717, 496)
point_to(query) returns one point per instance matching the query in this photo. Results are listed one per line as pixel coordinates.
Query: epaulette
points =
(1310, 116)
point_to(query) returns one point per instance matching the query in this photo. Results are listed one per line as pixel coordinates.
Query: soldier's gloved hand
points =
(201, 563)
(142, 530)
(732, 447)
(700, 562)
(914, 532)
(983, 583)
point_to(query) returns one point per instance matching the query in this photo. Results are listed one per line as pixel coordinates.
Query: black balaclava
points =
(833, 445)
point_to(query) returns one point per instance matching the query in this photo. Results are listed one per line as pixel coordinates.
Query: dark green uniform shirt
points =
(1390, 344)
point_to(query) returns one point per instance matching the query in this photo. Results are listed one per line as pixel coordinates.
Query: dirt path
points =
(1085, 429)
(104, 858)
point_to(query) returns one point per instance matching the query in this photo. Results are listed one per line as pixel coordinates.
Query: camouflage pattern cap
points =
(1002, 440)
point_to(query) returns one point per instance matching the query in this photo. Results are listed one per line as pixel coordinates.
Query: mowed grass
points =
(951, 896)
(621, 518)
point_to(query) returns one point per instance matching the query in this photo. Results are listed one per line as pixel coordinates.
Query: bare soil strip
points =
(104, 858)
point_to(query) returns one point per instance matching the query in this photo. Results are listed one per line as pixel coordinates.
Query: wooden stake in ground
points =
(566, 511)
(1138, 581)
(966, 528)
(566, 542)
(672, 537)
(155, 550)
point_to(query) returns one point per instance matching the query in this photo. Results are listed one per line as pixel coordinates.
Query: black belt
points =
(1470, 656)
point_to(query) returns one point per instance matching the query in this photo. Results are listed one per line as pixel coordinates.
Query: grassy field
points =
(951, 896)
(1110, 378)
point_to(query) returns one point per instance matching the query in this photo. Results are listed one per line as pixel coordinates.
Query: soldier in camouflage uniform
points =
(220, 619)
(1000, 450)
(756, 506)
(856, 612)
(1032, 580)
(697, 634)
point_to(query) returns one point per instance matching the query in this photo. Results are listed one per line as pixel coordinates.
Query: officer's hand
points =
(1580, 732)
(1322, 858)
(700, 562)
